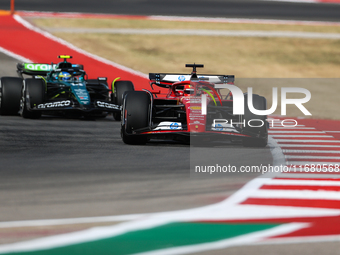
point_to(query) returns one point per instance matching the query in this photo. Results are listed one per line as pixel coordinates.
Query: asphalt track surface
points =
(211, 8)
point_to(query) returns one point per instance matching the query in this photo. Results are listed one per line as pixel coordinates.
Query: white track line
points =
(301, 136)
(310, 157)
(295, 132)
(310, 145)
(13, 55)
(333, 163)
(299, 174)
(199, 32)
(309, 151)
(299, 194)
(302, 182)
(306, 141)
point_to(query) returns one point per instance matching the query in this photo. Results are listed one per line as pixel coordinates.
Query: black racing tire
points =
(34, 90)
(136, 115)
(10, 95)
(119, 88)
(259, 103)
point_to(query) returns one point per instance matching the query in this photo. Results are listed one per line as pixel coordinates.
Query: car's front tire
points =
(119, 88)
(136, 115)
(34, 90)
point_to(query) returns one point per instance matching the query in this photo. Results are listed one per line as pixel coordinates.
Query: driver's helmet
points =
(188, 89)
(64, 76)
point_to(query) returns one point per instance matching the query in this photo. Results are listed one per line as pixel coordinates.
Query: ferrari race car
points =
(59, 89)
(194, 106)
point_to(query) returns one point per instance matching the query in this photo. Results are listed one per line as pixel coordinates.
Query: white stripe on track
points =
(309, 151)
(310, 157)
(295, 132)
(300, 174)
(302, 182)
(333, 163)
(310, 145)
(13, 55)
(302, 136)
(306, 141)
(300, 194)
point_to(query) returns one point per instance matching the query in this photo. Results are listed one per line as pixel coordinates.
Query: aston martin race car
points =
(59, 89)
(194, 106)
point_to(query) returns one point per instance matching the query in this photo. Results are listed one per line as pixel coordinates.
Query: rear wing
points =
(163, 78)
(34, 68)
(39, 69)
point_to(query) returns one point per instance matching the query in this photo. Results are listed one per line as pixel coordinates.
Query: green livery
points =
(60, 89)
(57, 89)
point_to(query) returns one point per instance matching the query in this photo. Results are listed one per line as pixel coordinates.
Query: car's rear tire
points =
(259, 103)
(10, 94)
(34, 90)
(135, 116)
(119, 88)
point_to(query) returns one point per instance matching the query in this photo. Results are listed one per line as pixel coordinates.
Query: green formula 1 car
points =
(59, 89)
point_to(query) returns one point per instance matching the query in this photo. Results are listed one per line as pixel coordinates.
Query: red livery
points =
(193, 106)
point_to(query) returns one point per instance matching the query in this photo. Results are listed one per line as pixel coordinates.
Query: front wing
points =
(186, 133)
(69, 104)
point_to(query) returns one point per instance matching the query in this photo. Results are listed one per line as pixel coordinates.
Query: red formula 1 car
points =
(194, 106)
